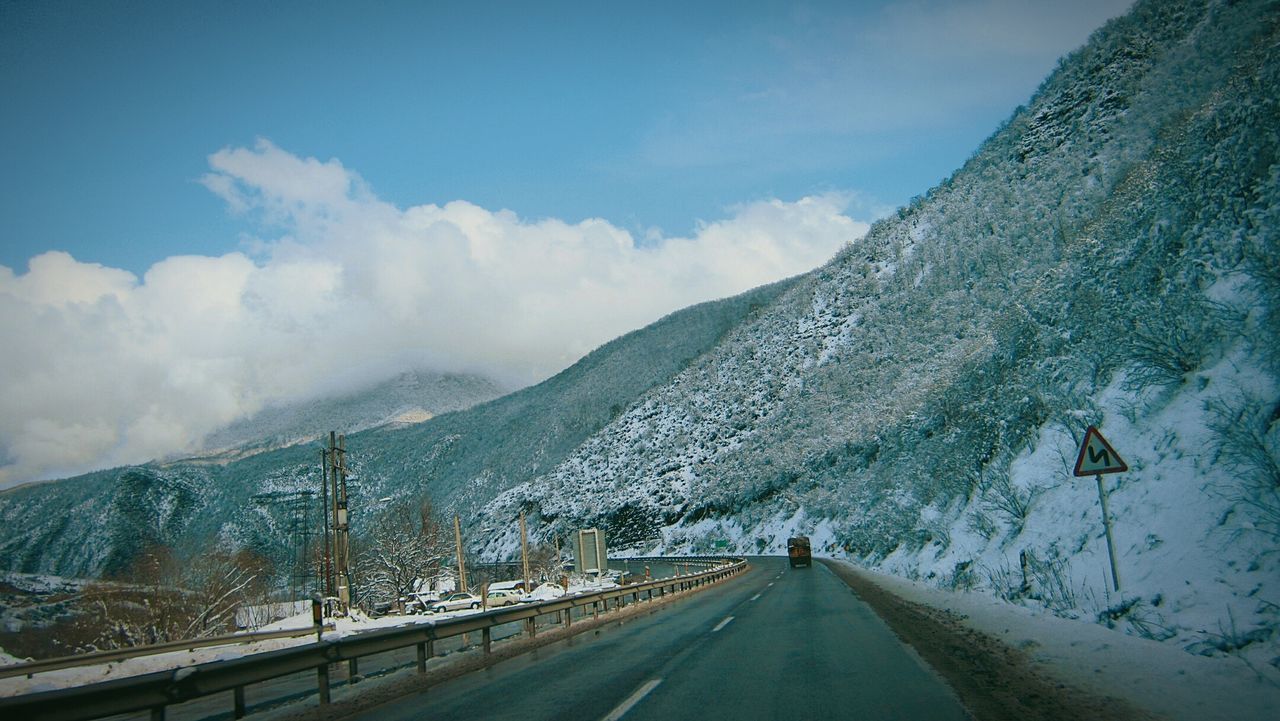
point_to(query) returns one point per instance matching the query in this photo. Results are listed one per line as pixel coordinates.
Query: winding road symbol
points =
(1097, 456)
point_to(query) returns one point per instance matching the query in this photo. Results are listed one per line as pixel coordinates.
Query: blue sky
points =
(196, 199)
(649, 115)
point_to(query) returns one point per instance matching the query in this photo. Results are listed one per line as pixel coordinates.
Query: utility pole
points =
(524, 551)
(324, 511)
(462, 565)
(337, 531)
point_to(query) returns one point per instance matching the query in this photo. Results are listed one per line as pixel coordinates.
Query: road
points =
(776, 643)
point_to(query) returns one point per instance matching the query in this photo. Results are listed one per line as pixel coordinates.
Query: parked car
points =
(420, 602)
(502, 597)
(455, 601)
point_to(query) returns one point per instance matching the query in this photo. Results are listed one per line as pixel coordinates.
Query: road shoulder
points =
(994, 681)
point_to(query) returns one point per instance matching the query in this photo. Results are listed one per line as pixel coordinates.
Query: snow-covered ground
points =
(341, 627)
(1152, 675)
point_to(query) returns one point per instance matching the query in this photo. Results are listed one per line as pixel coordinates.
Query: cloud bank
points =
(337, 289)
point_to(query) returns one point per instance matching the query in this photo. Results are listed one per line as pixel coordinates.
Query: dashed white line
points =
(770, 583)
(632, 700)
(755, 597)
(722, 624)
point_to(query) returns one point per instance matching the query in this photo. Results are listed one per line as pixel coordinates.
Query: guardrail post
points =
(531, 626)
(595, 609)
(486, 639)
(157, 713)
(322, 681)
(238, 701)
(353, 671)
(568, 617)
(422, 657)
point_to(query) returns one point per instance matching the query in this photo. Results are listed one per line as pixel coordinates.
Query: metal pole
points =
(462, 566)
(524, 551)
(324, 505)
(1106, 524)
(337, 535)
(322, 682)
(343, 528)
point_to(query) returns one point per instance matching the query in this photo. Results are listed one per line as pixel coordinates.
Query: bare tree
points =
(405, 545)
(162, 598)
(544, 564)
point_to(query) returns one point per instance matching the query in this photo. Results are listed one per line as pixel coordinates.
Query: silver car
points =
(456, 601)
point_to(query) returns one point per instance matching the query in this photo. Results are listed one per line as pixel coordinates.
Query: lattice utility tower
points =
(294, 511)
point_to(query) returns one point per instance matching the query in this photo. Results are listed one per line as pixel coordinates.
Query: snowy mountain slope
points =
(1108, 257)
(97, 524)
(410, 397)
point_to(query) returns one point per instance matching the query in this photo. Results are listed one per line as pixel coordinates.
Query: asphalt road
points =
(776, 643)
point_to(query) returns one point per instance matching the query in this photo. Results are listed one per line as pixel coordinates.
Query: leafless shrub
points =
(981, 524)
(1247, 440)
(1173, 340)
(1049, 581)
(161, 598)
(999, 495)
(963, 577)
(1004, 581)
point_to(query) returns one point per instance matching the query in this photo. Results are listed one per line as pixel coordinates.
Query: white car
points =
(456, 601)
(502, 597)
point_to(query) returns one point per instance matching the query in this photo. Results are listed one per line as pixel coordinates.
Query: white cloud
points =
(105, 369)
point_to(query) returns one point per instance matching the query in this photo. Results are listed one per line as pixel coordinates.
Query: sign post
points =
(1096, 458)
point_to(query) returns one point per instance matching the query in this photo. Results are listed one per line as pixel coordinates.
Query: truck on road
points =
(798, 551)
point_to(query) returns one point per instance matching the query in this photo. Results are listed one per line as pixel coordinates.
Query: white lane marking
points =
(755, 597)
(722, 624)
(771, 583)
(632, 700)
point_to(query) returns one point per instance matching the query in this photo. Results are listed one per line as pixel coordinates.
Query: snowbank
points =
(1155, 676)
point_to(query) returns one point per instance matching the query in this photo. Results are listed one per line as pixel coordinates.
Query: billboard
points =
(590, 555)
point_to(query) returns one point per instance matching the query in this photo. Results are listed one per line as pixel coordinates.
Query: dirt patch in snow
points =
(994, 681)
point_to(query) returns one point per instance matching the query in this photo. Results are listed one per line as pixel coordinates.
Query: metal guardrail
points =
(154, 691)
(32, 668)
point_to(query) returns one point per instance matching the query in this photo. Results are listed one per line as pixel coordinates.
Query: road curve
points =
(775, 643)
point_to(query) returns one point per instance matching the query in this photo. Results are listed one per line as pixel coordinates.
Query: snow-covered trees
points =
(406, 544)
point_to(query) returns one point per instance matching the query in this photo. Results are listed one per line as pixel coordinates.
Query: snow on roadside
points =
(1149, 674)
(79, 676)
(342, 627)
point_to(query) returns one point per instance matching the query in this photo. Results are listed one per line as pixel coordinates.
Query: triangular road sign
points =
(1097, 456)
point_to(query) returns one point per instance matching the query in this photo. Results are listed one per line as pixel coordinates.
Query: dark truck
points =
(798, 551)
